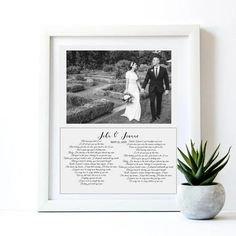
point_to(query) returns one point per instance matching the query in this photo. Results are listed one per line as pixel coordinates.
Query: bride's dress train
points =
(133, 110)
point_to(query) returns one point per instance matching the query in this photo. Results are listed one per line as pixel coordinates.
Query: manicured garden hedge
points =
(119, 87)
(74, 88)
(89, 111)
(109, 68)
(75, 100)
(79, 79)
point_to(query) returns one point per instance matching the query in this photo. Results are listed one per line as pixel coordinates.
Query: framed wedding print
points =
(116, 103)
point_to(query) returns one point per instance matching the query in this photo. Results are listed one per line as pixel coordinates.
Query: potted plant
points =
(200, 197)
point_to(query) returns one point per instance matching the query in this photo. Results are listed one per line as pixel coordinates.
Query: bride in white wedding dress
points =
(133, 109)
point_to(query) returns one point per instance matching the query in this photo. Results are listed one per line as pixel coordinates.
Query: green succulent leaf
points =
(212, 158)
(209, 180)
(215, 171)
(188, 176)
(195, 170)
(185, 157)
(194, 153)
(204, 149)
(201, 157)
(193, 164)
(218, 162)
(185, 167)
(200, 172)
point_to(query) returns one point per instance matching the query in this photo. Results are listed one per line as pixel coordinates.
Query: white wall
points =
(21, 23)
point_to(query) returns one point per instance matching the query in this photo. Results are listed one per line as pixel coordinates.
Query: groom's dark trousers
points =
(156, 88)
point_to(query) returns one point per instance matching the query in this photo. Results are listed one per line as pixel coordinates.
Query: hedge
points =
(119, 87)
(109, 68)
(74, 88)
(75, 100)
(80, 78)
(89, 111)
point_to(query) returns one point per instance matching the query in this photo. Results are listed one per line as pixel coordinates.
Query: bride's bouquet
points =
(128, 97)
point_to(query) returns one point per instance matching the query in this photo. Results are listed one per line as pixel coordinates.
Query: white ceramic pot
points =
(201, 202)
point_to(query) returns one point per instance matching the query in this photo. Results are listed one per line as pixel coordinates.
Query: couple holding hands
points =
(156, 76)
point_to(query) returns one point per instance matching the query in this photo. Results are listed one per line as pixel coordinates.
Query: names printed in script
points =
(118, 160)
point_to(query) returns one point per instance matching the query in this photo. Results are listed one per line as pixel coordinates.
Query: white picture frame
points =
(192, 35)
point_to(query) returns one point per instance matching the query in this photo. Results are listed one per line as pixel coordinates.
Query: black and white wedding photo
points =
(118, 87)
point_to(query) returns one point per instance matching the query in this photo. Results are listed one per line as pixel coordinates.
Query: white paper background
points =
(113, 181)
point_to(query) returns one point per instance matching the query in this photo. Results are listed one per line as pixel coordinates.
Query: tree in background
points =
(97, 59)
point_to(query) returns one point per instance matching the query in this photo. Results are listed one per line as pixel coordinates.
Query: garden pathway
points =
(93, 89)
(115, 116)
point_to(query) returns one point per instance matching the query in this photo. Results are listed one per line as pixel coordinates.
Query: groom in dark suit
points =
(157, 75)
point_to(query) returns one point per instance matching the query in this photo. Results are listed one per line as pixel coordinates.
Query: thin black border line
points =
(119, 193)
